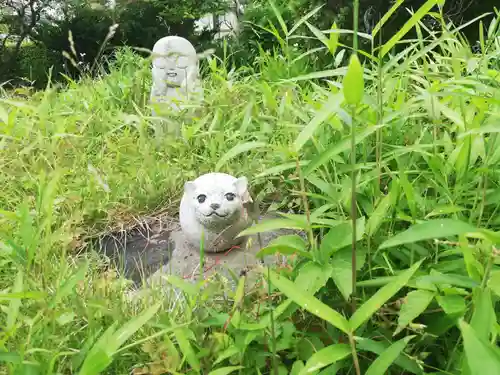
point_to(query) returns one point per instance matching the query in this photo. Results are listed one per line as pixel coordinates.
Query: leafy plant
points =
(389, 164)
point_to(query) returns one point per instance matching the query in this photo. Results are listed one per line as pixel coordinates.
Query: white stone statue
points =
(213, 209)
(175, 73)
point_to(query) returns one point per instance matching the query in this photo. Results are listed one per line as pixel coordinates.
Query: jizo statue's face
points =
(175, 62)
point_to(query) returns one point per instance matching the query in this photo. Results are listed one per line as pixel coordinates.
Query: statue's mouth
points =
(216, 214)
(172, 74)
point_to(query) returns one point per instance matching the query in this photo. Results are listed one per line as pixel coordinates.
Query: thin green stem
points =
(355, 19)
(353, 211)
(273, 334)
(305, 202)
(353, 199)
(354, 354)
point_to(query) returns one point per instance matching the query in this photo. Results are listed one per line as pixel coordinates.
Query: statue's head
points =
(217, 199)
(174, 61)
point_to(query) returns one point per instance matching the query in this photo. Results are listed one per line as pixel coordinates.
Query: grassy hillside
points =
(80, 160)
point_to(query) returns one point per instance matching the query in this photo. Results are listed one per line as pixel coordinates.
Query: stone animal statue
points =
(213, 211)
(175, 73)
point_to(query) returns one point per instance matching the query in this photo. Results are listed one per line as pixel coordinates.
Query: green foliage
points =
(139, 24)
(419, 295)
(33, 64)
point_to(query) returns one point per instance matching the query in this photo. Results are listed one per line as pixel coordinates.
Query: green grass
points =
(82, 159)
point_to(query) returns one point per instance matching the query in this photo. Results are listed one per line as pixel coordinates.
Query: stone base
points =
(231, 264)
(151, 251)
(140, 251)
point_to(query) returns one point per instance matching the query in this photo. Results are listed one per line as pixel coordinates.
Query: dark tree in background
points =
(260, 13)
(21, 19)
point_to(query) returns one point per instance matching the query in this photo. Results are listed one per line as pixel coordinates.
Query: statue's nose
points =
(215, 206)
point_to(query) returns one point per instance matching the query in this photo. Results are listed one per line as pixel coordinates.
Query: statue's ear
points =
(241, 185)
(189, 187)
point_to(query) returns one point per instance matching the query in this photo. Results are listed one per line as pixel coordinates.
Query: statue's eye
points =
(201, 198)
(230, 196)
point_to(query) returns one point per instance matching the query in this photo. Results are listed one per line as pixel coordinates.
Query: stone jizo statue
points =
(175, 73)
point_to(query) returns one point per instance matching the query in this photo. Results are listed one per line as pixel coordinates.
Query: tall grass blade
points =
(279, 17)
(101, 354)
(187, 349)
(15, 303)
(385, 17)
(69, 285)
(419, 14)
(327, 110)
(305, 18)
(336, 149)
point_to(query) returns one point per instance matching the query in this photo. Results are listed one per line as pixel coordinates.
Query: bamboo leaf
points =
(429, 230)
(185, 286)
(305, 18)
(240, 293)
(340, 236)
(271, 225)
(385, 17)
(483, 319)
(336, 149)
(415, 304)
(378, 347)
(279, 17)
(15, 303)
(281, 168)
(286, 245)
(366, 310)
(386, 359)
(69, 285)
(308, 301)
(326, 111)
(325, 357)
(240, 148)
(419, 14)
(101, 354)
(318, 34)
(341, 269)
(333, 41)
(451, 304)
(225, 370)
(132, 326)
(482, 357)
(380, 212)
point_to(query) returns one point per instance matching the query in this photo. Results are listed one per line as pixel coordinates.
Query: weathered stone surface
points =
(149, 252)
(140, 251)
(185, 261)
(175, 73)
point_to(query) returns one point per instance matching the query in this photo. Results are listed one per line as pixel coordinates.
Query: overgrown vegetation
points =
(418, 139)
(78, 27)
